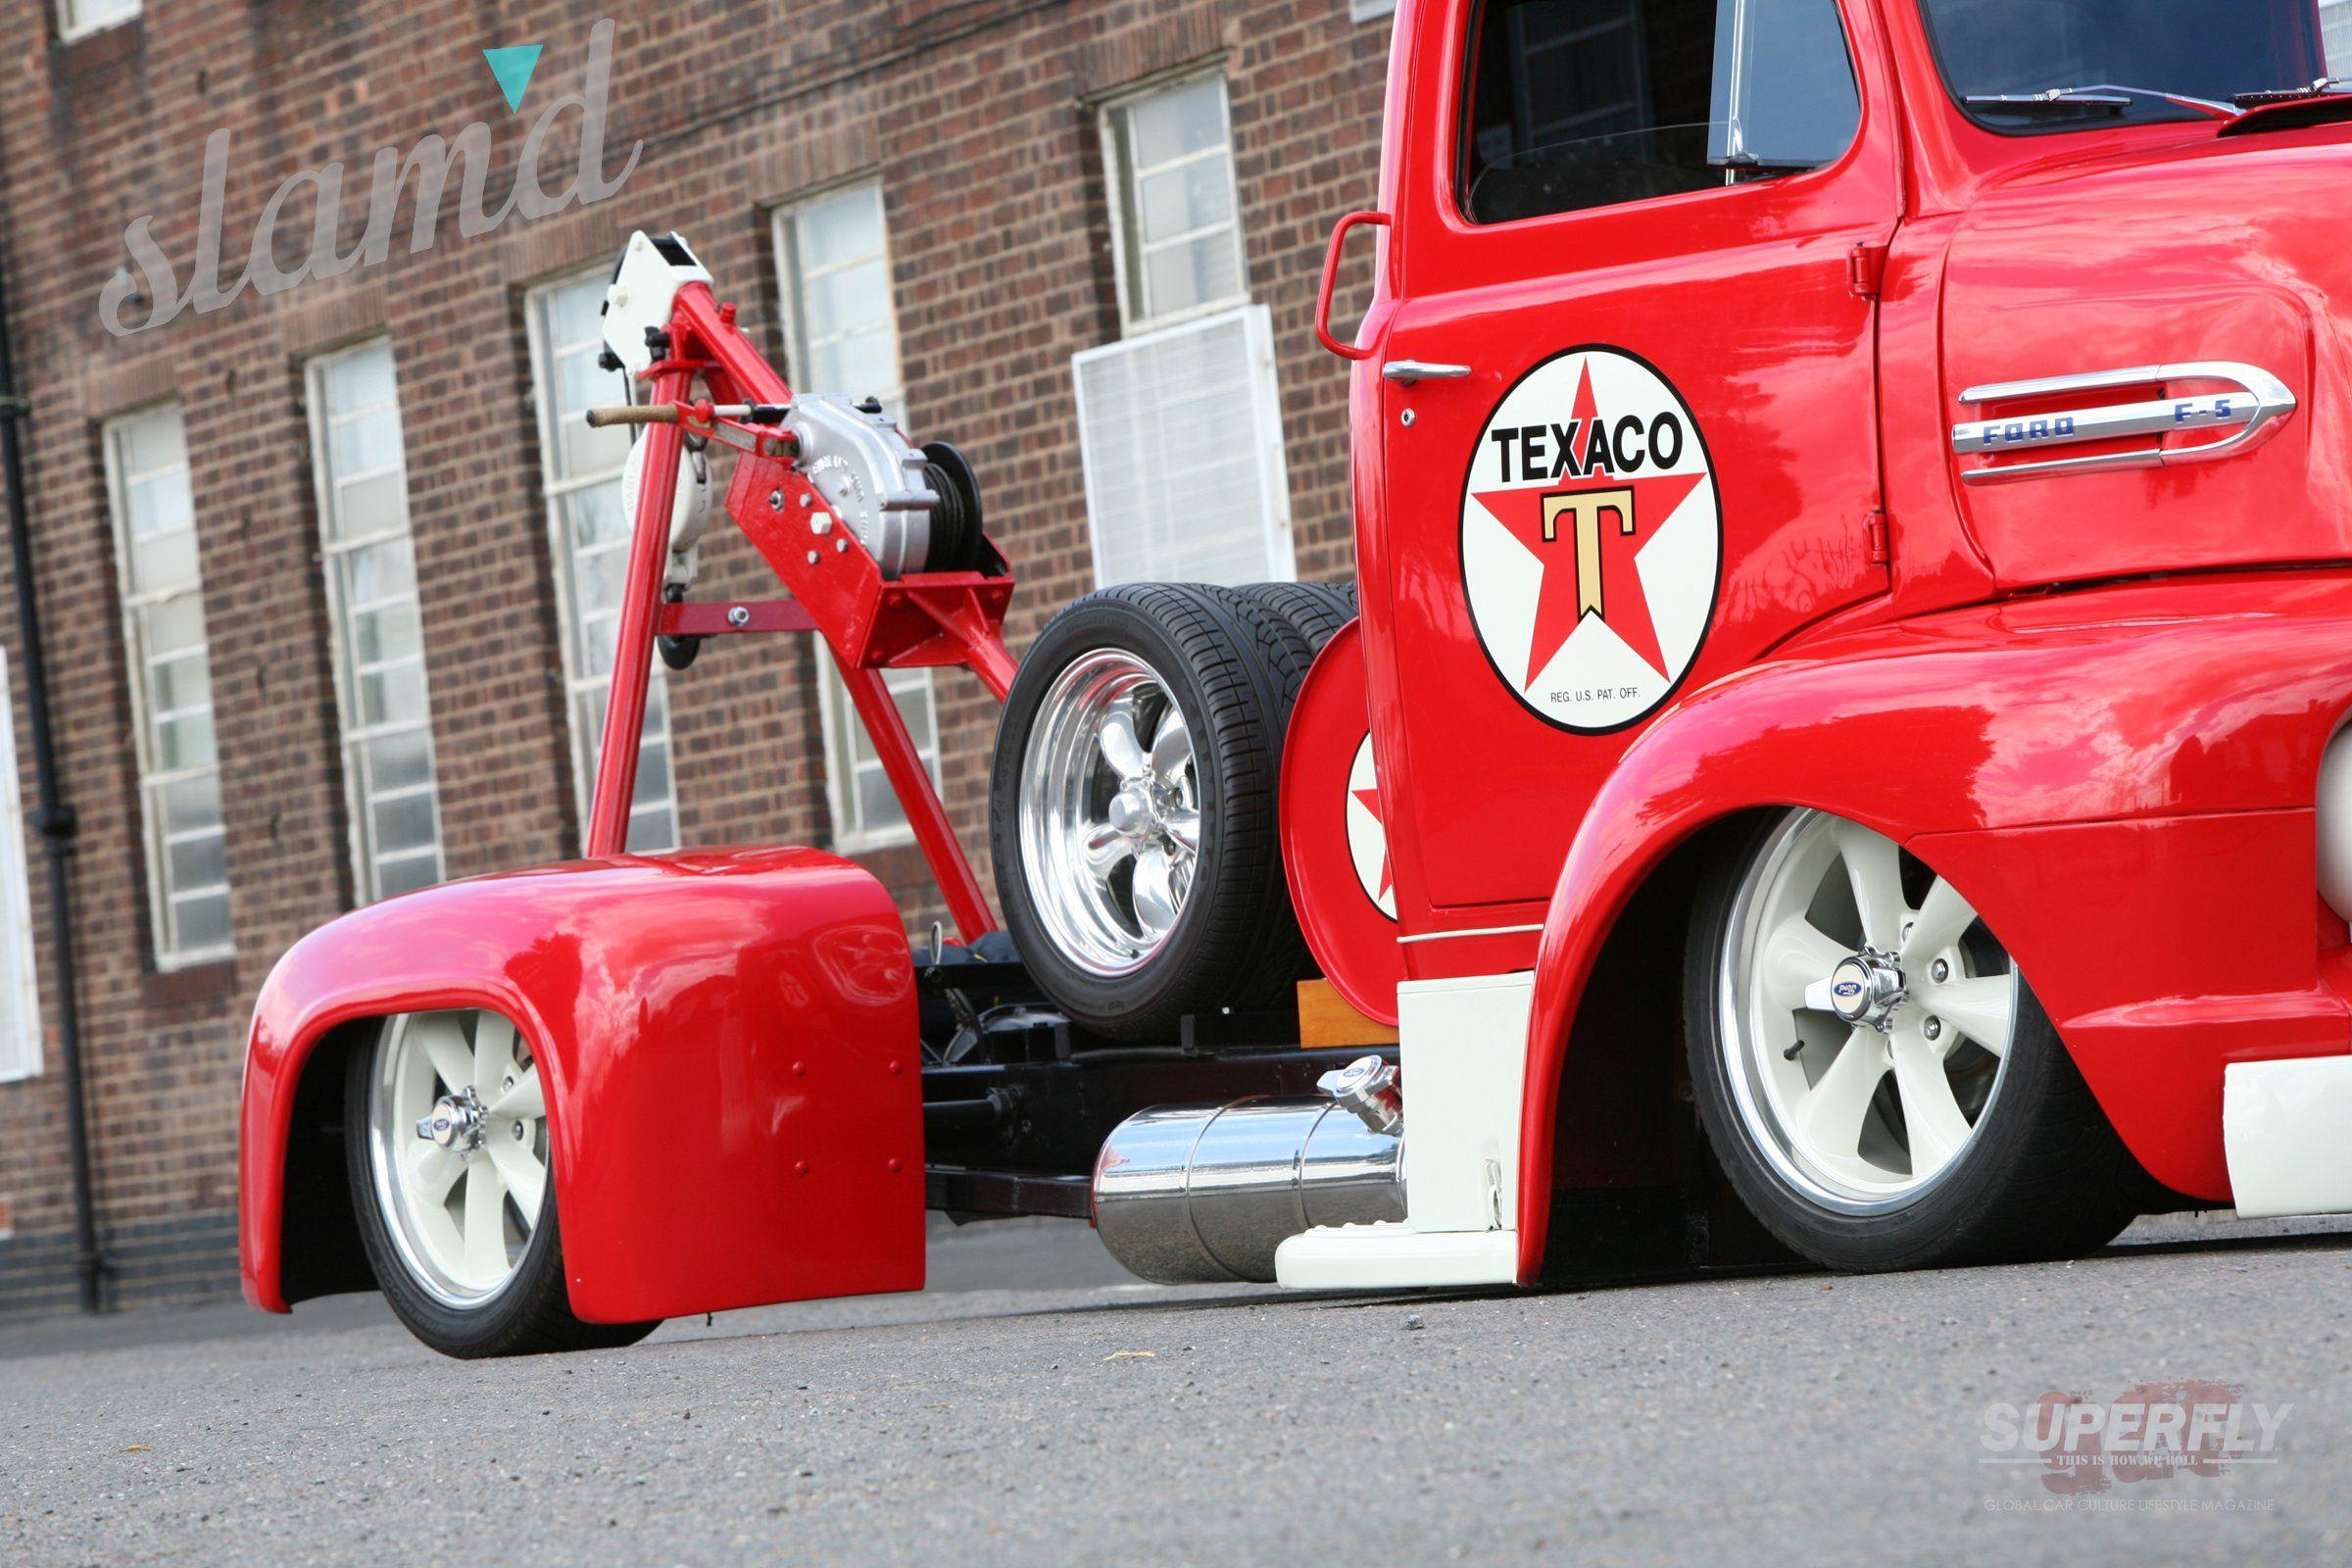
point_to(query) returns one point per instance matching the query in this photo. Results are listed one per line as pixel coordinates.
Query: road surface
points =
(1031, 1408)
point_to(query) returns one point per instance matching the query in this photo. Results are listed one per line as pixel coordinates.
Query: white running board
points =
(1385, 1257)
(1464, 1057)
(2285, 1130)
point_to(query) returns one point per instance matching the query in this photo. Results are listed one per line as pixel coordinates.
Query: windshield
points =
(2189, 48)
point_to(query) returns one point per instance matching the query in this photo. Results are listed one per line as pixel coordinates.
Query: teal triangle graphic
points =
(513, 67)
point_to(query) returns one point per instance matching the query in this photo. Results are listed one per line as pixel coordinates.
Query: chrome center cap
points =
(1867, 987)
(1132, 812)
(456, 1123)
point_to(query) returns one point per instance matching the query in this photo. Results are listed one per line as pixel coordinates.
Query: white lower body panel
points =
(1463, 1052)
(2286, 1131)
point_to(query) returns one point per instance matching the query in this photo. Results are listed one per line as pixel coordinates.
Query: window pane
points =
(202, 922)
(191, 805)
(406, 823)
(1186, 276)
(381, 635)
(161, 503)
(576, 314)
(183, 743)
(369, 506)
(407, 874)
(369, 441)
(392, 697)
(157, 565)
(1182, 119)
(151, 441)
(2336, 19)
(173, 625)
(83, 15)
(374, 573)
(360, 379)
(841, 228)
(396, 761)
(200, 862)
(1188, 197)
(855, 366)
(877, 803)
(598, 515)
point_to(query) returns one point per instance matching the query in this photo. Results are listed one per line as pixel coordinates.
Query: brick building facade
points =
(1032, 180)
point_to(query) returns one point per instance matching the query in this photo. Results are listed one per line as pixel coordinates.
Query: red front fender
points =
(728, 1041)
(2120, 781)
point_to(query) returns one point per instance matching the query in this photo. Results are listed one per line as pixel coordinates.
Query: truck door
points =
(1629, 394)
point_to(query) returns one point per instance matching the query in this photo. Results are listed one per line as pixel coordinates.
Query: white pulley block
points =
(688, 513)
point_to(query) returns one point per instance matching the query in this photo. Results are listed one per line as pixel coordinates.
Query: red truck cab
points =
(1883, 414)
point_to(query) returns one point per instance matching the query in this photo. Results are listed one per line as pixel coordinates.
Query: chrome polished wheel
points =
(457, 1150)
(1866, 1015)
(1110, 813)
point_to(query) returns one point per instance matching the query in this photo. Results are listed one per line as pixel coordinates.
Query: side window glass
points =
(1592, 102)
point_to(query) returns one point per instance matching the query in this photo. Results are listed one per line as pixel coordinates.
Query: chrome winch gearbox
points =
(1205, 1194)
(875, 483)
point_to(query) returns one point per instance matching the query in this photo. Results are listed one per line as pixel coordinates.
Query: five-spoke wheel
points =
(1133, 806)
(1874, 1074)
(1111, 812)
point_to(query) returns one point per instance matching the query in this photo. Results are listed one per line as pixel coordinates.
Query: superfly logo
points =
(1592, 538)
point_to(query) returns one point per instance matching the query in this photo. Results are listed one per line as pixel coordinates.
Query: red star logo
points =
(1584, 537)
(1369, 800)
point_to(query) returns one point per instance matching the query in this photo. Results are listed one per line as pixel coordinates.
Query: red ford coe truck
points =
(1842, 694)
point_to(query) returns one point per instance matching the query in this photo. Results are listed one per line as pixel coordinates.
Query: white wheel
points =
(1867, 1032)
(457, 1148)
(1872, 1070)
(452, 1183)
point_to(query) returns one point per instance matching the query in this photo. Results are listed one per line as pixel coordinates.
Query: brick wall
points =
(977, 114)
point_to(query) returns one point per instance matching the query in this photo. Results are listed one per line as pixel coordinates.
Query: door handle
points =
(1408, 372)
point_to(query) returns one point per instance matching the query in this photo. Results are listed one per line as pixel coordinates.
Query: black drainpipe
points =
(53, 818)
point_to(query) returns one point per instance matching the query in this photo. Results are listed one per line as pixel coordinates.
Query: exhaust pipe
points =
(1188, 1195)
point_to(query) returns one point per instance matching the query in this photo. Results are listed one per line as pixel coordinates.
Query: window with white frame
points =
(589, 525)
(840, 336)
(19, 987)
(1371, 10)
(381, 695)
(2335, 18)
(1180, 422)
(1179, 232)
(171, 686)
(76, 17)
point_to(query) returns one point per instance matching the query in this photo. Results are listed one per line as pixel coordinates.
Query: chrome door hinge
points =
(1866, 270)
(1874, 536)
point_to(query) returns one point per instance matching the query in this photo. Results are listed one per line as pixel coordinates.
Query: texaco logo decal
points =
(1592, 535)
(1368, 835)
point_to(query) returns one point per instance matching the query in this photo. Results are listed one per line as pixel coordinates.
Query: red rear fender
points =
(728, 1041)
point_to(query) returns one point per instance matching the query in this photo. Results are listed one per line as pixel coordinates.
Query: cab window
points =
(1588, 103)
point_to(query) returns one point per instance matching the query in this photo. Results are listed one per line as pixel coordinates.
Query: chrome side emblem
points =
(2260, 404)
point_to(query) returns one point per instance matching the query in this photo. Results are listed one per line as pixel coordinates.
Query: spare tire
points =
(1317, 609)
(1132, 808)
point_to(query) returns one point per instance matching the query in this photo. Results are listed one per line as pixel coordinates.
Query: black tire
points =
(1316, 610)
(1231, 669)
(2044, 1176)
(530, 1316)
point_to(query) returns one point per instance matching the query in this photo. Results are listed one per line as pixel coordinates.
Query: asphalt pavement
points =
(1034, 1407)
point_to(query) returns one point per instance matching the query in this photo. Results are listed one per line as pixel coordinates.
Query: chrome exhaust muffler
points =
(1188, 1195)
